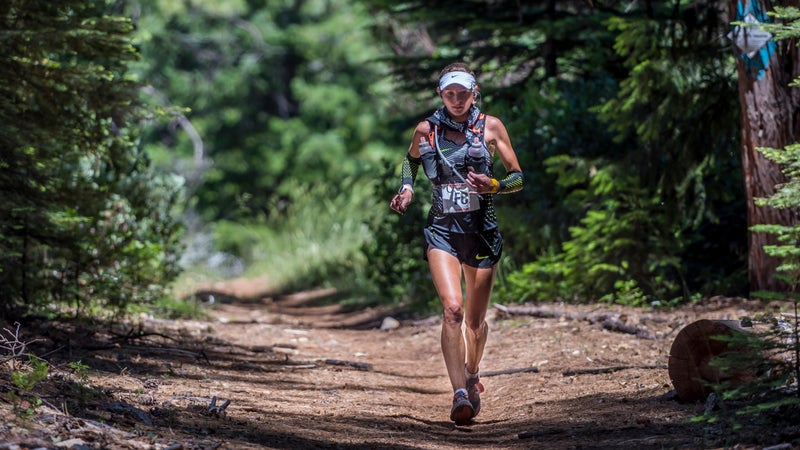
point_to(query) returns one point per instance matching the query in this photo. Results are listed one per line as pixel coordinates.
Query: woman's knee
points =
(475, 324)
(453, 312)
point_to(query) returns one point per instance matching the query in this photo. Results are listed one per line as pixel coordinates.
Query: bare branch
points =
(12, 344)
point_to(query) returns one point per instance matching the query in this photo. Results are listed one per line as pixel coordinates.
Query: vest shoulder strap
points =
(479, 125)
(432, 134)
(476, 127)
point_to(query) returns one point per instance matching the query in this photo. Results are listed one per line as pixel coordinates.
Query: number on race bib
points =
(458, 198)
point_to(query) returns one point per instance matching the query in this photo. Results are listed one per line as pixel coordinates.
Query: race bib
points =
(458, 198)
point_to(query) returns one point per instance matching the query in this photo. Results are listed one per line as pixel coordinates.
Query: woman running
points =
(456, 147)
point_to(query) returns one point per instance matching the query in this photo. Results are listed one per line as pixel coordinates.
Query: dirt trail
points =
(300, 374)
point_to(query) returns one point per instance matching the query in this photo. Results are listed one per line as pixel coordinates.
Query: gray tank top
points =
(455, 206)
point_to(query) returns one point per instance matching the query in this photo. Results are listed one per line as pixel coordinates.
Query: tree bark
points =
(769, 113)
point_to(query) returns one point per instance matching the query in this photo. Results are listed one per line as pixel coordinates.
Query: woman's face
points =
(457, 99)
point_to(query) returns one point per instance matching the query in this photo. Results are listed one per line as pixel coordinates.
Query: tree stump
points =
(692, 351)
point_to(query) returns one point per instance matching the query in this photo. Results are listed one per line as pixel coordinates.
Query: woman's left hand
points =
(482, 183)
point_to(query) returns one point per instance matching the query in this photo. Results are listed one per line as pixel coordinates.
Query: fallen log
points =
(607, 321)
(356, 365)
(602, 370)
(535, 311)
(532, 369)
(612, 323)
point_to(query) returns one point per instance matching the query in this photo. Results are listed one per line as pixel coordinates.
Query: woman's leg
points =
(479, 283)
(446, 273)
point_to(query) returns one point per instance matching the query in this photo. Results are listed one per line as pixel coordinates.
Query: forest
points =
(152, 148)
(152, 144)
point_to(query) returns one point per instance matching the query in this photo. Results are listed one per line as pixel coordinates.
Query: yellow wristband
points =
(495, 186)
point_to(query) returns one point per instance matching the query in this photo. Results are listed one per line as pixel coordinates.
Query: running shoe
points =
(474, 389)
(462, 411)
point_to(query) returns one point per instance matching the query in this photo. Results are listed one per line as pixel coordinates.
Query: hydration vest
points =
(475, 129)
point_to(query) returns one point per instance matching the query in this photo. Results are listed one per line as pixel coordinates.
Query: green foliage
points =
(282, 95)
(772, 352)
(82, 392)
(537, 219)
(776, 350)
(171, 307)
(80, 370)
(785, 27)
(84, 219)
(353, 242)
(602, 106)
(316, 242)
(292, 110)
(660, 207)
(758, 376)
(788, 193)
(26, 380)
(625, 265)
(397, 272)
(509, 43)
(26, 404)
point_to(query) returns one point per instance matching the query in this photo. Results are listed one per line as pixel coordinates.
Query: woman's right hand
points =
(401, 201)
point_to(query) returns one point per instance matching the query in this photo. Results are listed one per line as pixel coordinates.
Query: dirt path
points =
(301, 376)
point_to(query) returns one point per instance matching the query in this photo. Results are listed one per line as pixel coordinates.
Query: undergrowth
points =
(762, 367)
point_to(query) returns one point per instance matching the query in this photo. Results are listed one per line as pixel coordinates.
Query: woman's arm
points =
(498, 142)
(410, 168)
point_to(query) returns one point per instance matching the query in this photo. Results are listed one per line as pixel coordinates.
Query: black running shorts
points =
(481, 250)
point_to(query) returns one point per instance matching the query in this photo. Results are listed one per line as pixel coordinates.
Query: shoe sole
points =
(462, 414)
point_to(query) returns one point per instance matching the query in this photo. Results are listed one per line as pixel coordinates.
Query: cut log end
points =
(691, 353)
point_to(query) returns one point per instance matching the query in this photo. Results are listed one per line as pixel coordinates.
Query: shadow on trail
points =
(410, 432)
(152, 356)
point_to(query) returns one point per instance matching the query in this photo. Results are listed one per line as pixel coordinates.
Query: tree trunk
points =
(769, 118)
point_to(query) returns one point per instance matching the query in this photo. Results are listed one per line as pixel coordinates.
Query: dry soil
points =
(295, 372)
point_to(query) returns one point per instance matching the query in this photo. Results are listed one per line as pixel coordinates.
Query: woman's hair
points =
(456, 67)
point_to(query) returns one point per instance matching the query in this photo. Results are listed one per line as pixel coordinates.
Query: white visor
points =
(460, 78)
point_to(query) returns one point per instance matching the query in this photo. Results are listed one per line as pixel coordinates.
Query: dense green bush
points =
(617, 240)
(647, 198)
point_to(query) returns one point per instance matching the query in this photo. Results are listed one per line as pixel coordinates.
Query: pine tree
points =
(83, 216)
